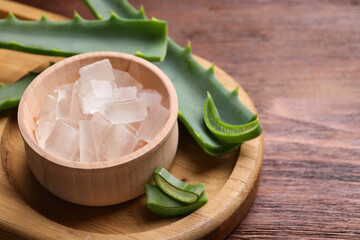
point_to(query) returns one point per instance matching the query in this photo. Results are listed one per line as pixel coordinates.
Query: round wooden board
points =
(231, 182)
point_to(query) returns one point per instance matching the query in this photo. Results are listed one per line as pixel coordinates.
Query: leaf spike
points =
(11, 16)
(142, 13)
(113, 15)
(43, 18)
(188, 47)
(154, 19)
(235, 91)
(93, 11)
(14, 43)
(77, 16)
(212, 68)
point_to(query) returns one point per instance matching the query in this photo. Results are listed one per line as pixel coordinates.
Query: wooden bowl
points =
(98, 183)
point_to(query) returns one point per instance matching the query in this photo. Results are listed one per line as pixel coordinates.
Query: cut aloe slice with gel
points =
(227, 132)
(160, 203)
(176, 189)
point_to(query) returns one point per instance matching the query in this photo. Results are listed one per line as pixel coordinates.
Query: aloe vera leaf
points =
(144, 38)
(10, 94)
(122, 8)
(227, 132)
(191, 82)
(176, 189)
(160, 203)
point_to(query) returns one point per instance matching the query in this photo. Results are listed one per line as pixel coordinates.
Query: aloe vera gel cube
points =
(124, 79)
(101, 70)
(118, 141)
(106, 114)
(151, 96)
(64, 101)
(91, 133)
(126, 112)
(63, 141)
(153, 123)
(125, 94)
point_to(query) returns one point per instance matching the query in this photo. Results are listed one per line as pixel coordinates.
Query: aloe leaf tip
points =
(11, 16)
(93, 11)
(155, 19)
(235, 91)
(142, 13)
(212, 68)
(43, 17)
(188, 48)
(77, 16)
(113, 15)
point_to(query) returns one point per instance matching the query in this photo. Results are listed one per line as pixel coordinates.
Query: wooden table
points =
(300, 63)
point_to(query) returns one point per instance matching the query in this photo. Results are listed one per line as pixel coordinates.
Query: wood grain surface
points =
(32, 213)
(299, 62)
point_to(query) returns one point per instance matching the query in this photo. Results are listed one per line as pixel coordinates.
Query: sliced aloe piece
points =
(160, 203)
(10, 94)
(191, 82)
(144, 38)
(178, 190)
(227, 132)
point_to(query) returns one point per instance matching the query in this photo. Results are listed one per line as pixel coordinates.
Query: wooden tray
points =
(28, 211)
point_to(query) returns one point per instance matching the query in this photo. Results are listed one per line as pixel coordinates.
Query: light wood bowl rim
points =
(151, 146)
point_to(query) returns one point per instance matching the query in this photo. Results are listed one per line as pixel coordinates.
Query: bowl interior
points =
(67, 71)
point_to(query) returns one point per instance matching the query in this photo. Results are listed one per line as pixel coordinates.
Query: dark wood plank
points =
(299, 62)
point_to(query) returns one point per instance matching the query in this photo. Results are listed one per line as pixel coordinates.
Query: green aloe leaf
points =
(10, 94)
(227, 132)
(192, 82)
(144, 38)
(123, 9)
(176, 189)
(160, 203)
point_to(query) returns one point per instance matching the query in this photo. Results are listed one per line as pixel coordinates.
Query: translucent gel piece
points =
(63, 141)
(125, 94)
(76, 114)
(126, 112)
(151, 96)
(48, 108)
(94, 95)
(124, 79)
(43, 130)
(101, 70)
(82, 80)
(48, 105)
(118, 142)
(98, 117)
(153, 122)
(99, 131)
(101, 89)
(134, 126)
(54, 93)
(90, 140)
(64, 101)
(46, 118)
